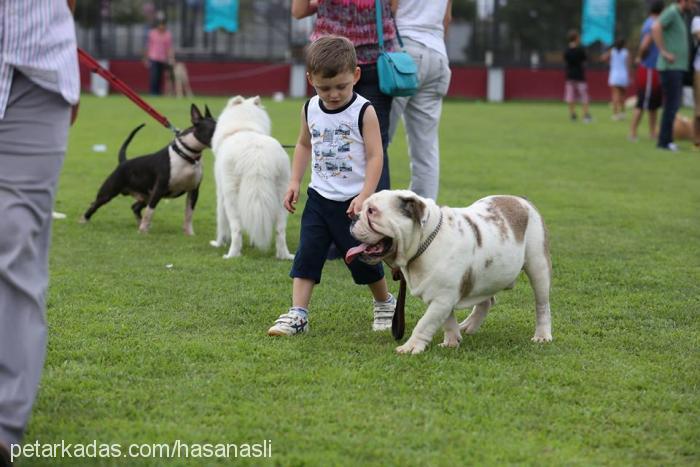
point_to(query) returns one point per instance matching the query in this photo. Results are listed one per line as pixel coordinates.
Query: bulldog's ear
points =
(207, 112)
(412, 208)
(195, 114)
(257, 101)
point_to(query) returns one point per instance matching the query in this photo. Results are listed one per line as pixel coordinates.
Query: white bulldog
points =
(454, 258)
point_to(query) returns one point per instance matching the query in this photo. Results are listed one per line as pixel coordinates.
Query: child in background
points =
(575, 59)
(618, 78)
(340, 137)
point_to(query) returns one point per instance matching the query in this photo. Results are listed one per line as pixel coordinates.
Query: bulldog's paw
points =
(411, 347)
(470, 325)
(216, 243)
(451, 340)
(541, 337)
(82, 220)
(143, 230)
(229, 255)
(188, 232)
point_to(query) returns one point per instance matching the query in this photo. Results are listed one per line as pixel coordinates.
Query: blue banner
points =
(598, 22)
(221, 14)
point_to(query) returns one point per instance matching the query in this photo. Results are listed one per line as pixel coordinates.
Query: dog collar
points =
(426, 243)
(181, 153)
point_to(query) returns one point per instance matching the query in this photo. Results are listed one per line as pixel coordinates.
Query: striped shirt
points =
(37, 38)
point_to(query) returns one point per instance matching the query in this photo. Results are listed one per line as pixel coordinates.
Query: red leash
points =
(92, 64)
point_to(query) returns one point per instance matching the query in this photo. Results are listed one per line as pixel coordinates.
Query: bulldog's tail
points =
(122, 150)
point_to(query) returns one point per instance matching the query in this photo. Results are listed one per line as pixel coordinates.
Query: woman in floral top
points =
(356, 20)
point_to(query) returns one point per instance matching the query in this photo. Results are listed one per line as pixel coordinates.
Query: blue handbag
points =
(398, 73)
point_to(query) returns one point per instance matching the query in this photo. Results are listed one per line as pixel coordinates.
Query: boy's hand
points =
(356, 205)
(291, 197)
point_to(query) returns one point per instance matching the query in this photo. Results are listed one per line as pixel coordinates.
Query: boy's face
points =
(335, 92)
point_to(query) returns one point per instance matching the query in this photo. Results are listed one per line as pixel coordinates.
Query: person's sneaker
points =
(294, 321)
(669, 147)
(383, 314)
(573, 117)
(587, 118)
(633, 139)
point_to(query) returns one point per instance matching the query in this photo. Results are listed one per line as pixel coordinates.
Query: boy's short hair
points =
(330, 55)
(572, 35)
(657, 7)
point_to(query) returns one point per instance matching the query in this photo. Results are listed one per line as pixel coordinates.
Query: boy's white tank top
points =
(338, 159)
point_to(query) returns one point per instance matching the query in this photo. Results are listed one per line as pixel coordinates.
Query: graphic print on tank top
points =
(331, 150)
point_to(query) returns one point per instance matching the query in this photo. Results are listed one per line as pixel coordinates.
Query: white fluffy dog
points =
(252, 172)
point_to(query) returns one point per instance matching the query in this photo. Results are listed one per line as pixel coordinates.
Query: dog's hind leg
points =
(105, 195)
(281, 238)
(452, 334)
(234, 225)
(538, 267)
(477, 316)
(222, 228)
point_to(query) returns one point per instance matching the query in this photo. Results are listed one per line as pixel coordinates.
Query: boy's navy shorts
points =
(325, 221)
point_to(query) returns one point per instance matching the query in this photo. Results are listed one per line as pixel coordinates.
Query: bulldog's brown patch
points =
(475, 229)
(467, 284)
(515, 214)
(488, 263)
(413, 208)
(493, 216)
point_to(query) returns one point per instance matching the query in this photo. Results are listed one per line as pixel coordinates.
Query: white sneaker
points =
(383, 314)
(294, 321)
(669, 147)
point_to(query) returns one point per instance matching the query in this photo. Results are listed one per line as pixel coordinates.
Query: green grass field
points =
(142, 353)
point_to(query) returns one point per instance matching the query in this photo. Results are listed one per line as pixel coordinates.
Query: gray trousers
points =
(421, 117)
(33, 137)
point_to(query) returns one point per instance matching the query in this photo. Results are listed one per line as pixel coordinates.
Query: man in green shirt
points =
(670, 34)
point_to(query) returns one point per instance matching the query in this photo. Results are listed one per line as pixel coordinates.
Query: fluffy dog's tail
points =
(122, 150)
(258, 203)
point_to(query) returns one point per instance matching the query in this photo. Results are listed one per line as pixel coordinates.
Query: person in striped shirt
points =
(39, 81)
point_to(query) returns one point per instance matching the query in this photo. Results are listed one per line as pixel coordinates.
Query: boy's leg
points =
(307, 267)
(583, 92)
(301, 292)
(380, 291)
(569, 98)
(384, 303)
(653, 132)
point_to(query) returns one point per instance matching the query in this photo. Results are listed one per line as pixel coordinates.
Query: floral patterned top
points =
(356, 20)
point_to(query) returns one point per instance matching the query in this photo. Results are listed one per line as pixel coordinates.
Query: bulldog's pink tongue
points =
(355, 252)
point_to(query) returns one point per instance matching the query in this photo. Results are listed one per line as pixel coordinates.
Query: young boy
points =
(340, 137)
(575, 58)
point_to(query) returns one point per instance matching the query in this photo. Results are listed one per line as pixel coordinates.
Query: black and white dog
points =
(168, 173)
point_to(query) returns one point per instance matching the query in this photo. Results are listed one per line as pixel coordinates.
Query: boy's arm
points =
(643, 48)
(303, 8)
(374, 155)
(302, 155)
